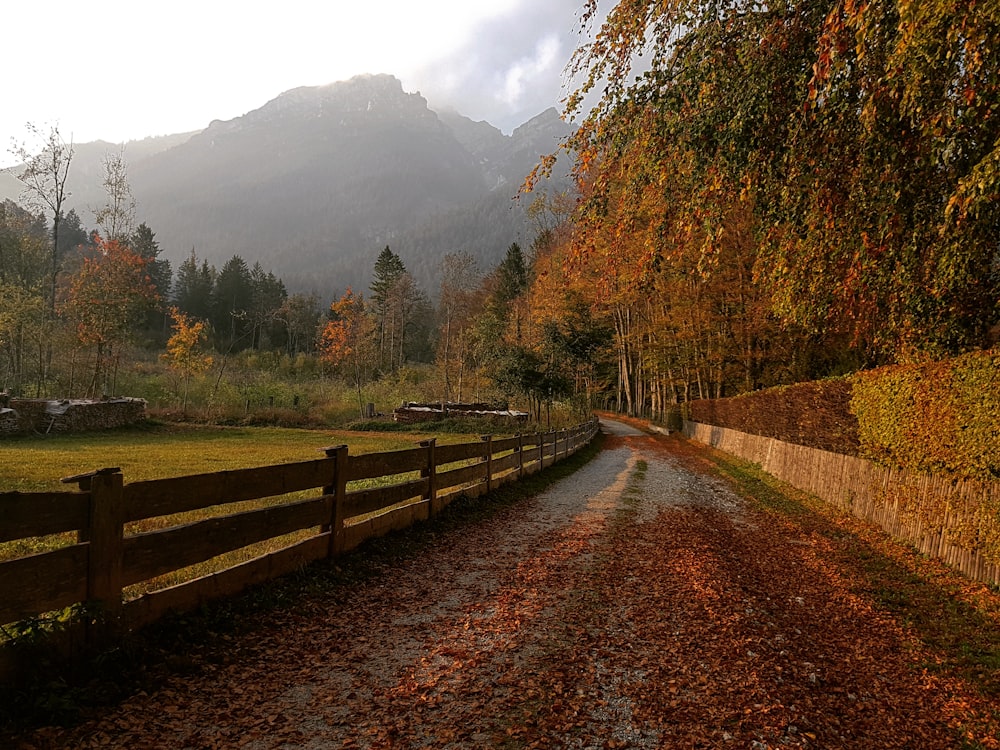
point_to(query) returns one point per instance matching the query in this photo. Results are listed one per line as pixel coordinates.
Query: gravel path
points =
(635, 604)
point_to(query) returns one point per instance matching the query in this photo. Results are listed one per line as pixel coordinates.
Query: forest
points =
(765, 193)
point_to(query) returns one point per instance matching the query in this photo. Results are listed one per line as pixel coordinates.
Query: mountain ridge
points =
(316, 181)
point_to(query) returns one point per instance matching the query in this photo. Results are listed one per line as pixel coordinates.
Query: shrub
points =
(939, 417)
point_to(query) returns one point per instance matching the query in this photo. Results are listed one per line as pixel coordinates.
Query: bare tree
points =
(460, 298)
(117, 218)
(44, 176)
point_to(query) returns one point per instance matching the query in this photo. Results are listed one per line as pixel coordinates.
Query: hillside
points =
(316, 182)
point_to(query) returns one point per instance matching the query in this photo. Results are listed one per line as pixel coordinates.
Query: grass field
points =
(37, 464)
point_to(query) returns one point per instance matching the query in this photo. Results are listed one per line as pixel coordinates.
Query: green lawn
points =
(37, 464)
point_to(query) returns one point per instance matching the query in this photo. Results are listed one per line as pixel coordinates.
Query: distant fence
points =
(952, 520)
(105, 558)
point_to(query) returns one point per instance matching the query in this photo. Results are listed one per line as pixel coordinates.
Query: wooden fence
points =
(105, 558)
(952, 520)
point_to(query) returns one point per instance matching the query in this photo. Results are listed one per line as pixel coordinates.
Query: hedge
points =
(815, 414)
(940, 417)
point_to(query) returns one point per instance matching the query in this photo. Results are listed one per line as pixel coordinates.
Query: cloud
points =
(511, 68)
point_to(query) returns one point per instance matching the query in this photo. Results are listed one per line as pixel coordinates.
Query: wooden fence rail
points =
(105, 558)
(943, 518)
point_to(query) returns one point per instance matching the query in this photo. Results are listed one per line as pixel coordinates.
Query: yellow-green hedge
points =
(941, 417)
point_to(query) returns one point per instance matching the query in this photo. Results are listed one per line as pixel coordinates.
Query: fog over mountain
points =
(316, 182)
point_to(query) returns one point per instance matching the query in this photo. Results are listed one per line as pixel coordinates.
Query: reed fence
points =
(105, 558)
(953, 520)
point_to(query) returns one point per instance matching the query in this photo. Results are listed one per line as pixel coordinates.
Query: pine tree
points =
(194, 287)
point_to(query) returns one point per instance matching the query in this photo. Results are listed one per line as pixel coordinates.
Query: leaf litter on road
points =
(639, 603)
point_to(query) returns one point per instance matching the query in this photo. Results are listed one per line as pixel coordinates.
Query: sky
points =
(119, 70)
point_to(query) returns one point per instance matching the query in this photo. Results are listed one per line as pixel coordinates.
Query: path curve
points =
(635, 604)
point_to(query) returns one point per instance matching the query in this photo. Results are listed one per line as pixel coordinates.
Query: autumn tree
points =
(186, 354)
(852, 145)
(347, 343)
(106, 297)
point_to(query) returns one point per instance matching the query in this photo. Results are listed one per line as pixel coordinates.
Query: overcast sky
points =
(119, 70)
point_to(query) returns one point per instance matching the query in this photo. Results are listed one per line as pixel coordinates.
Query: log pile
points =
(70, 415)
(412, 413)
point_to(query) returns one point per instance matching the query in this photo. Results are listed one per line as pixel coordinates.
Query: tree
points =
(143, 242)
(385, 302)
(231, 301)
(194, 289)
(347, 341)
(186, 350)
(460, 303)
(109, 293)
(116, 218)
(44, 175)
(267, 295)
(852, 146)
(299, 314)
(23, 313)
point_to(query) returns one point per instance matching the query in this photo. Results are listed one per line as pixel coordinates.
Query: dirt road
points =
(635, 604)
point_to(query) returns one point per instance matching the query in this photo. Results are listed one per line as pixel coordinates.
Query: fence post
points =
(337, 489)
(520, 456)
(488, 439)
(540, 440)
(430, 473)
(105, 534)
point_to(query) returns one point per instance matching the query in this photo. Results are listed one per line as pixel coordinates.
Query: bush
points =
(815, 414)
(939, 417)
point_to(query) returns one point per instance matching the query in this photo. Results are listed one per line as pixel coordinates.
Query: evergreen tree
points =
(231, 302)
(385, 302)
(268, 294)
(194, 288)
(143, 243)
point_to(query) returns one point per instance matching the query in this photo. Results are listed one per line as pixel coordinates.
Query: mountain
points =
(316, 182)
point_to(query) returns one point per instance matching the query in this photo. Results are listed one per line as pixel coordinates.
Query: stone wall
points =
(9, 422)
(76, 415)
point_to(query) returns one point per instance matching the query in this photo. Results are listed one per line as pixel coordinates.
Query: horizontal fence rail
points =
(343, 511)
(943, 518)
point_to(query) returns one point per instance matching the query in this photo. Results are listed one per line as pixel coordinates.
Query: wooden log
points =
(161, 497)
(28, 514)
(372, 500)
(371, 465)
(157, 552)
(39, 583)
